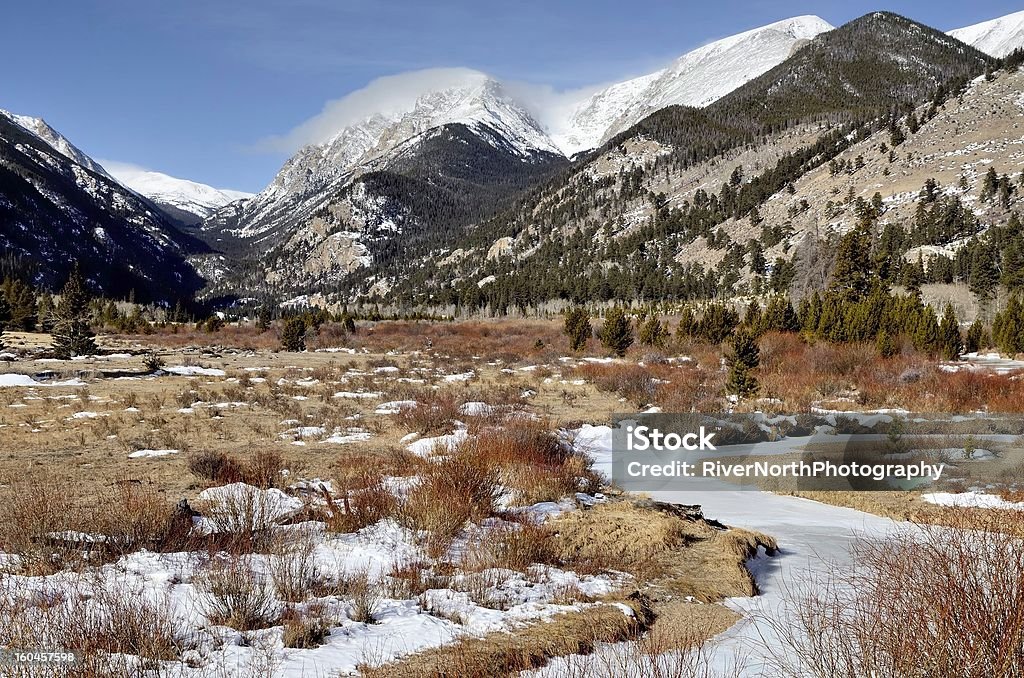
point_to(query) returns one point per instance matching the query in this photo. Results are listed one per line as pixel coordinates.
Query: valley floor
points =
(414, 500)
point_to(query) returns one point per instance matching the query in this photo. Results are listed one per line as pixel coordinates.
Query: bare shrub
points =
(409, 579)
(137, 516)
(33, 510)
(236, 595)
(215, 467)
(450, 493)
(96, 619)
(926, 601)
(435, 412)
(529, 460)
(363, 591)
(305, 630)
(294, 570)
(244, 514)
(264, 469)
(365, 500)
(632, 382)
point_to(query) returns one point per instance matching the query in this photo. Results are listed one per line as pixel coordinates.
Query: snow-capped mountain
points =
(454, 96)
(371, 124)
(173, 194)
(57, 206)
(997, 37)
(697, 78)
(41, 129)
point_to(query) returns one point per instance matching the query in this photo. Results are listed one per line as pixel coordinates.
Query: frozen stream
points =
(814, 539)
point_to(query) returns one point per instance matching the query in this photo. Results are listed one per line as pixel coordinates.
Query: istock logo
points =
(642, 438)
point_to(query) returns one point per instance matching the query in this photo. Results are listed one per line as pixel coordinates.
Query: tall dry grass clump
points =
(34, 510)
(97, 620)
(450, 493)
(435, 412)
(529, 461)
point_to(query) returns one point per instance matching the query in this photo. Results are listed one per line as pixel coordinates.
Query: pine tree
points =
(1013, 262)
(896, 135)
(810, 313)
(264, 314)
(984, 274)
(853, 272)
(22, 301)
(887, 344)
(653, 333)
(687, 327)
(72, 335)
(976, 339)
(744, 358)
(577, 328)
(718, 323)
(779, 316)
(617, 332)
(1008, 327)
(44, 312)
(913, 275)
(832, 322)
(753, 318)
(293, 334)
(990, 184)
(926, 335)
(950, 341)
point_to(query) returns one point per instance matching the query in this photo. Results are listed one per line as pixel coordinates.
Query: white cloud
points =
(393, 95)
(123, 171)
(389, 96)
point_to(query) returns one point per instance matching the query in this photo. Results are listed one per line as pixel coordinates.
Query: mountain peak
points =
(697, 78)
(55, 139)
(194, 198)
(996, 37)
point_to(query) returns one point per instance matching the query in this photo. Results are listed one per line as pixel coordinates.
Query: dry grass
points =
(908, 506)
(530, 461)
(294, 570)
(515, 547)
(503, 654)
(854, 372)
(619, 536)
(435, 411)
(305, 630)
(95, 620)
(51, 527)
(449, 494)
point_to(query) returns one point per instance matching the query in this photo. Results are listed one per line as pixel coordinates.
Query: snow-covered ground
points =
(401, 625)
(988, 362)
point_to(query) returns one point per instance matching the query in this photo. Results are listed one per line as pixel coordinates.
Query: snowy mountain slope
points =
(997, 37)
(589, 120)
(697, 78)
(41, 129)
(166, 191)
(55, 208)
(554, 241)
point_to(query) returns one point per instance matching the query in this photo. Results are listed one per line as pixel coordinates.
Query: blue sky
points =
(191, 87)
